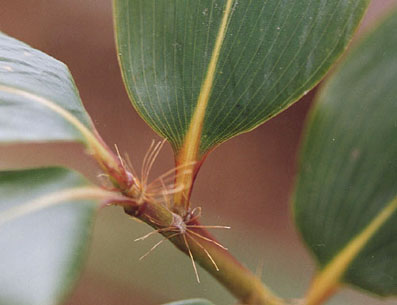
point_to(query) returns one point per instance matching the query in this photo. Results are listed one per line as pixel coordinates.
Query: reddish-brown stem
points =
(241, 282)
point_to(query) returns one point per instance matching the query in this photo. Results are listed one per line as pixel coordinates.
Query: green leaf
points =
(346, 195)
(39, 102)
(41, 253)
(202, 71)
(38, 97)
(191, 302)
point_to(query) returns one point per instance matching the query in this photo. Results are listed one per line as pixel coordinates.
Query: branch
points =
(241, 282)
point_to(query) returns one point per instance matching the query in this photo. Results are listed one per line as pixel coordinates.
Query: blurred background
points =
(246, 183)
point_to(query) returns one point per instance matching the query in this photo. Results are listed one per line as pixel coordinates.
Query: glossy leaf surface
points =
(41, 252)
(201, 71)
(191, 302)
(346, 196)
(38, 97)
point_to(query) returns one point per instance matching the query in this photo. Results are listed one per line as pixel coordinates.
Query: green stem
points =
(240, 281)
(236, 278)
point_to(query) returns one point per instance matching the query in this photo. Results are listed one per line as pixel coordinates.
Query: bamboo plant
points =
(200, 72)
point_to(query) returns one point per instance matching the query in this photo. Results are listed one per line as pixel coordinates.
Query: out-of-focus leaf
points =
(38, 97)
(346, 195)
(191, 302)
(202, 71)
(41, 253)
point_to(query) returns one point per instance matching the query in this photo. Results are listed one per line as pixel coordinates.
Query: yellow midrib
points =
(56, 198)
(189, 151)
(328, 279)
(91, 140)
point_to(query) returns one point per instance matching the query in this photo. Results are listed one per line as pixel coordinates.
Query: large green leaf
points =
(202, 71)
(38, 97)
(41, 253)
(191, 302)
(346, 196)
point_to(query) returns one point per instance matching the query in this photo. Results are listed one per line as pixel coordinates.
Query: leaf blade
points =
(38, 98)
(165, 50)
(348, 165)
(41, 254)
(39, 102)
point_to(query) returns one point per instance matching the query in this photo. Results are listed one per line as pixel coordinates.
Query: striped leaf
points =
(346, 195)
(202, 71)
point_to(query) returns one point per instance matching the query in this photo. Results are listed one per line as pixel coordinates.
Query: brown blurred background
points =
(246, 183)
